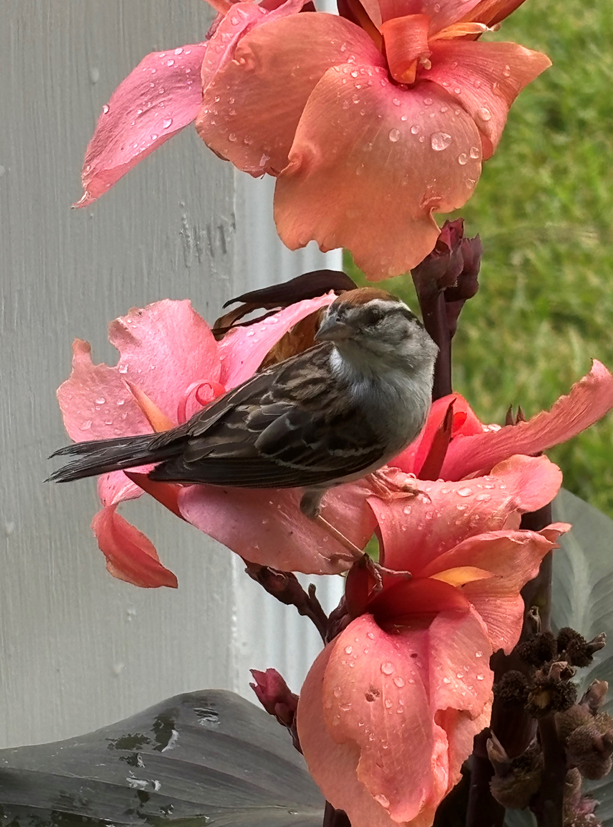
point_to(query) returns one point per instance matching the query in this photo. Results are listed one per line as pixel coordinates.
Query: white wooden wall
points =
(77, 648)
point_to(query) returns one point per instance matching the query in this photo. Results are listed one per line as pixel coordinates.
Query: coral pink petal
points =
(157, 99)
(164, 348)
(514, 557)
(95, 401)
(416, 530)
(332, 765)
(392, 686)
(485, 78)
(130, 556)
(492, 12)
(115, 487)
(465, 422)
(251, 109)
(442, 13)
(267, 527)
(369, 166)
(588, 401)
(243, 350)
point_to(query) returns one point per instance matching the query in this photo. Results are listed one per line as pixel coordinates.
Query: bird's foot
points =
(355, 553)
(390, 488)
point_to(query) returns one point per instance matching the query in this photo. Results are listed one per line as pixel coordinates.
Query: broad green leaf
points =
(203, 758)
(583, 600)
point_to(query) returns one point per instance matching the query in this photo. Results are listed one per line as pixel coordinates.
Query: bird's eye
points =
(374, 314)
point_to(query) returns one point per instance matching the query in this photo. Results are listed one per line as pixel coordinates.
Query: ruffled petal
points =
(514, 557)
(485, 78)
(416, 530)
(228, 32)
(157, 99)
(130, 556)
(382, 693)
(164, 348)
(268, 528)
(588, 401)
(243, 350)
(251, 109)
(442, 13)
(369, 165)
(115, 487)
(95, 401)
(465, 422)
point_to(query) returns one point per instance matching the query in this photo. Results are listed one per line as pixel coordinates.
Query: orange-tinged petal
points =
(158, 420)
(251, 109)
(588, 401)
(485, 78)
(369, 165)
(406, 41)
(130, 556)
(166, 493)
(492, 12)
(461, 575)
(442, 13)
(370, 712)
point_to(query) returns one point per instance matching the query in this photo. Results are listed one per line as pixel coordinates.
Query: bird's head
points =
(376, 328)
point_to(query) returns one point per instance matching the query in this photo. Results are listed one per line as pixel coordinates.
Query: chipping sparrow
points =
(329, 415)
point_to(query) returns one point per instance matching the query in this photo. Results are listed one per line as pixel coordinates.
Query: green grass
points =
(544, 209)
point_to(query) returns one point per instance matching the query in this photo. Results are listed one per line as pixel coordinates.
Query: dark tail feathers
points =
(101, 456)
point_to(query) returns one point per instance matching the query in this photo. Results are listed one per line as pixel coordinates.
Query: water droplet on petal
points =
(462, 158)
(167, 123)
(106, 108)
(415, 129)
(484, 113)
(101, 400)
(479, 677)
(447, 680)
(394, 135)
(86, 425)
(383, 800)
(179, 50)
(507, 71)
(387, 668)
(478, 654)
(428, 101)
(474, 152)
(348, 650)
(440, 141)
(388, 703)
(370, 635)
(123, 368)
(398, 681)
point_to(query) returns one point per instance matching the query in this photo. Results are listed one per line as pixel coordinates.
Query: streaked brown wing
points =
(280, 429)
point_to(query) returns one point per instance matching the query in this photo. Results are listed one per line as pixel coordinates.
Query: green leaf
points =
(583, 600)
(203, 758)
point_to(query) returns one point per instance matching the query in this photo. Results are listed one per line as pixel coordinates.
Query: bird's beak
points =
(333, 330)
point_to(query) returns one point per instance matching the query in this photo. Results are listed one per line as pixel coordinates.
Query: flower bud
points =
(516, 780)
(277, 699)
(590, 747)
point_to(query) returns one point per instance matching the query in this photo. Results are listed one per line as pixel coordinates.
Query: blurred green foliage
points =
(544, 210)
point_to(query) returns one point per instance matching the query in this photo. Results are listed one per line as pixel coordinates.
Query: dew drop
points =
(428, 101)
(440, 141)
(232, 137)
(348, 650)
(485, 114)
(457, 90)
(507, 71)
(387, 668)
(446, 680)
(101, 400)
(388, 703)
(86, 425)
(478, 654)
(354, 73)
(479, 677)
(462, 158)
(483, 497)
(394, 135)
(464, 492)
(106, 108)
(170, 62)
(398, 681)
(396, 101)
(383, 800)
(166, 123)
(415, 129)
(474, 152)
(370, 635)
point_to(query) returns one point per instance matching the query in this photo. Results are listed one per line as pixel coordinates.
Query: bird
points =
(332, 414)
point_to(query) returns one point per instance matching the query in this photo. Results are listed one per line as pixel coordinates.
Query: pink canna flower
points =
(389, 710)
(169, 367)
(372, 120)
